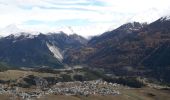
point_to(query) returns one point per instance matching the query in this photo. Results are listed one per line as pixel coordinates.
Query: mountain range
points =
(26, 50)
(133, 49)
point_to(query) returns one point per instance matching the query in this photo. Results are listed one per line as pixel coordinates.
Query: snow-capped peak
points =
(131, 26)
(24, 34)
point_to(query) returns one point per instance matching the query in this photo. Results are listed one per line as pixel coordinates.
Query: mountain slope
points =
(131, 44)
(160, 31)
(131, 49)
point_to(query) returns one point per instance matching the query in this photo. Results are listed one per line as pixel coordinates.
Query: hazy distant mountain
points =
(10, 29)
(149, 15)
(14, 29)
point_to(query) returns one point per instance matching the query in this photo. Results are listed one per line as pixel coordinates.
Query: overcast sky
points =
(84, 17)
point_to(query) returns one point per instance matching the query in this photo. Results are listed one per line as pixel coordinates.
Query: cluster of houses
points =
(85, 88)
(97, 87)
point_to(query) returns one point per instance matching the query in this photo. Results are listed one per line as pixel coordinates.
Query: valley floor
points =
(117, 92)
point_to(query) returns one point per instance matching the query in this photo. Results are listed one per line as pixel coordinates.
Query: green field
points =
(16, 74)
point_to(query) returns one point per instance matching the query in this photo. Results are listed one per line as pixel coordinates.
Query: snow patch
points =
(55, 51)
(165, 18)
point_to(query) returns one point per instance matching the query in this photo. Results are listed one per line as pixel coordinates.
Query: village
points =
(96, 87)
